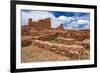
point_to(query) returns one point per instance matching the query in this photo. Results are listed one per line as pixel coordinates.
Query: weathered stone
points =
(69, 43)
(25, 30)
(40, 24)
(71, 51)
(26, 42)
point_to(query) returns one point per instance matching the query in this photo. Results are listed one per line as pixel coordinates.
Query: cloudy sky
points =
(70, 20)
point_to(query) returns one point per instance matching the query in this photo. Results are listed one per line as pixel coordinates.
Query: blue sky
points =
(70, 20)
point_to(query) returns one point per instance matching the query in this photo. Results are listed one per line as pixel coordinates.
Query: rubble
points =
(70, 44)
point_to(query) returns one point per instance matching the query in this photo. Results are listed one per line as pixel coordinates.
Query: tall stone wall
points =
(30, 22)
(40, 24)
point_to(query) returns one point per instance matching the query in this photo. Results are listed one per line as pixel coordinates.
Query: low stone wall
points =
(45, 37)
(85, 43)
(71, 51)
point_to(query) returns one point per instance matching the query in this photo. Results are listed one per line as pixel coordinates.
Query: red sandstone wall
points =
(40, 24)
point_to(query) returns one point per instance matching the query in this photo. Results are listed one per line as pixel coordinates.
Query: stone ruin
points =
(70, 43)
(42, 24)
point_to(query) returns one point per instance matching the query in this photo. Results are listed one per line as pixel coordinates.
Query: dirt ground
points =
(35, 54)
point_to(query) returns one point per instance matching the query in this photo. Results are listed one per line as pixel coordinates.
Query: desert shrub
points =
(51, 38)
(34, 34)
(25, 32)
(26, 43)
(85, 55)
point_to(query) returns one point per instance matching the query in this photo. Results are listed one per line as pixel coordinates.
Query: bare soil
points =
(35, 54)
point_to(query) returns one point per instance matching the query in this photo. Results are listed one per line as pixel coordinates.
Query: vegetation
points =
(85, 55)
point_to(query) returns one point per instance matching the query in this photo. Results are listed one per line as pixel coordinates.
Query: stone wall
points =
(71, 51)
(25, 30)
(40, 24)
(60, 27)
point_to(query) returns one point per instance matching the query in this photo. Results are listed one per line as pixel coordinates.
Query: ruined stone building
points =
(42, 24)
(60, 27)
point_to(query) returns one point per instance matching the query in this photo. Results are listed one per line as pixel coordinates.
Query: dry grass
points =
(85, 55)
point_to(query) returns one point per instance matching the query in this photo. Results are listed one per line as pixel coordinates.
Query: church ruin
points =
(42, 24)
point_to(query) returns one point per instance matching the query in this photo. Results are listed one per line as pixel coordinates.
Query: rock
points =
(71, 51)
(26, 42)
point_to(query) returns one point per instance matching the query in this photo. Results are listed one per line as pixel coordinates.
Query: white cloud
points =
(78, 24)
(65, 18)
(36, 15)
(73, 22)
(80, 21)
(62, 17)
